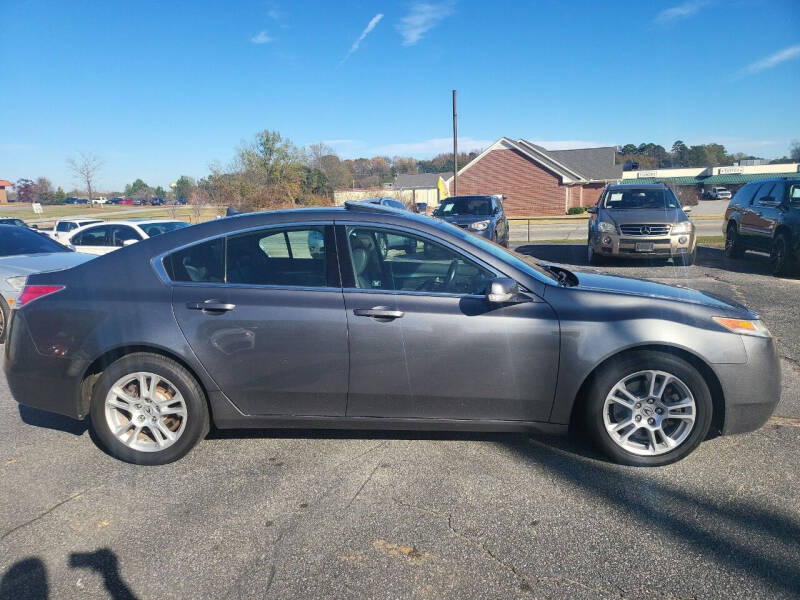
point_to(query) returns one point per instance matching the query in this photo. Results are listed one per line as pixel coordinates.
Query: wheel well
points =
(783, 229)
(714, 386)
(94, 370)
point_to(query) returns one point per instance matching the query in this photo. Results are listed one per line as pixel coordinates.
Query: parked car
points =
(482, 215)
(24, 251)
(235, 321)
(640, 221)
(115, 200)
(110, 235)
(73, 200)
(12, 221)
(100, 200)
(156, 201)
(64, 228)
(764, 215)
(719, 193)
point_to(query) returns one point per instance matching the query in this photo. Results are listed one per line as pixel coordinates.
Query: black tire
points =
(197, 420)
(611, 373)
(5, 314)
(592, 257)
(733, 243)
(781, 263)
(686, 260)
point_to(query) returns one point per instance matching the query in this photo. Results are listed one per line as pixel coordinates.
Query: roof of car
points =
(138, 221)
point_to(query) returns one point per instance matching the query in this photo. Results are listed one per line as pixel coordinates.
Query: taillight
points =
(34, 292)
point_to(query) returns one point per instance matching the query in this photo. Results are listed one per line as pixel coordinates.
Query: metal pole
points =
(455, 146)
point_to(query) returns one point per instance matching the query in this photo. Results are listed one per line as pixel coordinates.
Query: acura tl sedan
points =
(237, 322)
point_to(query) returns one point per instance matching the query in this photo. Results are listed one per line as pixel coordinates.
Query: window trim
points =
(157, 262)
(348, 274)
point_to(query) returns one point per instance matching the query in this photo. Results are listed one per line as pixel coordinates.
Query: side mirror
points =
(33, 226)
(129, 242)
(503, 290)
(591, 209)
(496, 210)
(687, 209)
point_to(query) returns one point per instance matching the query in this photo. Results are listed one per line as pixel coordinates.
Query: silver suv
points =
(640, 221)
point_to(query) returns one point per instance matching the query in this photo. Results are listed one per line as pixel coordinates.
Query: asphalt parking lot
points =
(353, 514)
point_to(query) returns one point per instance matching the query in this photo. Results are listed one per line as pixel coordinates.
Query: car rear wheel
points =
(733, 245)
(5, 313)
(147, 409)
(780, 256)
(648, 409)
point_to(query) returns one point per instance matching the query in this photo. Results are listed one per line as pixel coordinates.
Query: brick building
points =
(536, 181)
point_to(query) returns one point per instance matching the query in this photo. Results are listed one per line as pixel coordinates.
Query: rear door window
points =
(794, 195)
(294, 256)
(94, 236)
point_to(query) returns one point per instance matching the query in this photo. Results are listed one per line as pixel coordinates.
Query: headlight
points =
(606, 227)
(682, 227)
(479, 225)
(17, 282)
(744, 327)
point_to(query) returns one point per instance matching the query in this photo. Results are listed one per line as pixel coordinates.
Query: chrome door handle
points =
(378, 312)
(210, 305)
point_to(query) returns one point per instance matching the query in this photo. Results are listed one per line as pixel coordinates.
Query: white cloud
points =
(370, 26)
(262, 37)
(421, 19)
(773, 60)
(274, 14)
(429, 147)
(681, 11)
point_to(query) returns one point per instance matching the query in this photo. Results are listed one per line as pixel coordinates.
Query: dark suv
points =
(482, 215)
(764, 215)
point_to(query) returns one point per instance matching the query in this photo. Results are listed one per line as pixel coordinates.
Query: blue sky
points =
(160, 89)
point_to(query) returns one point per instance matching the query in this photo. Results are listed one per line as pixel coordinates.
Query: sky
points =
(161, 89)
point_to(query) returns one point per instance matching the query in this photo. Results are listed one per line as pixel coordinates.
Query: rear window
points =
(15, 240)
(154, 229)
(201, 263)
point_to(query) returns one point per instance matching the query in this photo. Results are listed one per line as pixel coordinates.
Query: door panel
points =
(278, 352)
(437, 349)
(452, 357)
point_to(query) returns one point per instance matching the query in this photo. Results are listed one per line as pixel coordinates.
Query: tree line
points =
(655, 156)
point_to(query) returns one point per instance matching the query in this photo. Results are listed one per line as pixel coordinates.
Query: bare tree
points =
(86, 167)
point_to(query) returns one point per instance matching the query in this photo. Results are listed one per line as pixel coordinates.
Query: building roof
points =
(581, 165)
(592, 163)
(726, 179)
(417, 181)
(5, 183)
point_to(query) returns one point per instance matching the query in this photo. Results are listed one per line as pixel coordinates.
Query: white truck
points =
(719, 193)
(64, 227)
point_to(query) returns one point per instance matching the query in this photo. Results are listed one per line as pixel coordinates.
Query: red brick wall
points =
(530, 190)
(591, 193)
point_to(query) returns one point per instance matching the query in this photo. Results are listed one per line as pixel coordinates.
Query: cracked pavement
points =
(372, 514)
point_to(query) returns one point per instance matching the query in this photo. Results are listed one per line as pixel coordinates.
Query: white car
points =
(110, 235)
(719, 193)
(64, 228)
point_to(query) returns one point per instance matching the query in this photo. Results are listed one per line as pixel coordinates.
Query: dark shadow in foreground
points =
(27, 578)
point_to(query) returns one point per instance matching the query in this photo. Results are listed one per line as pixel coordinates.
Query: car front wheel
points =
(648, 409)
(147, 409)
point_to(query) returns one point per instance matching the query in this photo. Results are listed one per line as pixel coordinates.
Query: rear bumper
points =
(50, 383)
(753, 390)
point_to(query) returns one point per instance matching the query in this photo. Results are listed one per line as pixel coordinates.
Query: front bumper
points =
(753, 390)
(662, 246)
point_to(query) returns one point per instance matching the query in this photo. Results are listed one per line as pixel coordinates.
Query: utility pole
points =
(455, 146)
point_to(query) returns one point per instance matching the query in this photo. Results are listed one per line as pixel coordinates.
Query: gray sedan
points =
(241, 322)
(22, 252)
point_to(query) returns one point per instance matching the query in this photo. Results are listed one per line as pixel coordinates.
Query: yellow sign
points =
(443, 192)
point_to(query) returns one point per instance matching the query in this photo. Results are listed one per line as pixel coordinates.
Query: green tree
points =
(44, 191)
(137, 189)
(184, 187)
(59, 197)
(680, 154)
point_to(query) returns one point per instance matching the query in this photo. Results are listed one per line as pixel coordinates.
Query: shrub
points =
(576, 210)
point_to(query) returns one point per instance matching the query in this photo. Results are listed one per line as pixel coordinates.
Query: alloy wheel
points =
(145, 411)
(649, 413)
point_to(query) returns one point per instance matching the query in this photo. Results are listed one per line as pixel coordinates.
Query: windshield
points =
(467, 205)
(631, 199)
(504, 254)
(21, 240)
(154, 229)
